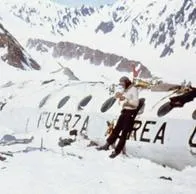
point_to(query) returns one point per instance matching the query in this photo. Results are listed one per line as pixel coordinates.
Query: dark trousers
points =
(124, 124)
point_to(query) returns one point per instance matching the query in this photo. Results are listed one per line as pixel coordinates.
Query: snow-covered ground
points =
(82, 169)
(78, 168)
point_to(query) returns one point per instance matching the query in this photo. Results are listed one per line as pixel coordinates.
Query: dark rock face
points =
(105, 27)
(65, 18)
(39, 46)
(162, 30)
(70, 50)
(15, 55)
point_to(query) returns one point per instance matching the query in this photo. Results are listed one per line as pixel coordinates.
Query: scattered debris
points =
(7, 153)
(47, 81)
(2, 158)
(66, 141)
(92, 143)
(74, 155)
(165, 178)
(11, 139)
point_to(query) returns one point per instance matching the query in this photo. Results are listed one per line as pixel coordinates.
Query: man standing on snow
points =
(130, 101)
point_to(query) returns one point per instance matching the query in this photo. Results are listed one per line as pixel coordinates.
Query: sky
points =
(76, 3)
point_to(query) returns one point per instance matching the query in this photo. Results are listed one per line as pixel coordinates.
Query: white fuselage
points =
(169, 140)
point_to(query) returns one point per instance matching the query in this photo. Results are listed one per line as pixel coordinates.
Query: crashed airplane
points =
(164, 129)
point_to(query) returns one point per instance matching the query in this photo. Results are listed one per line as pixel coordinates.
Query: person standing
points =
(130, 101)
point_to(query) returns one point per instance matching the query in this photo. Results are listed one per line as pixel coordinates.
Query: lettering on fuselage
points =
(192, 138)
(63, 121)
(148, 131)
(145, 130)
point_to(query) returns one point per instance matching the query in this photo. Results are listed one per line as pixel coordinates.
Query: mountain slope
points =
(162, 25)
(13, 53)
(69, 50)
(159, 34)
(56, 18)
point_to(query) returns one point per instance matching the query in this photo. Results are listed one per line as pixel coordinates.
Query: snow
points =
(76, 168)
(112, 42)
(80, 169)
(1, 31)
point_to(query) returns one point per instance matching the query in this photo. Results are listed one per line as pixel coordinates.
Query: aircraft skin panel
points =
(168, 140)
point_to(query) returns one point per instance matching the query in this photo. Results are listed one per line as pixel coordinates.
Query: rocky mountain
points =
(56, 18)
(164, 25)
(69, 50)
(13, 53)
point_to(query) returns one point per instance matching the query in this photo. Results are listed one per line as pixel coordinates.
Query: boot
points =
(104, 147)
(113, 154)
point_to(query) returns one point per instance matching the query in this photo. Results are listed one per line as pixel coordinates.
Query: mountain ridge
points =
(129, 20)
(14, 54)
(154, 32)
(69, 50)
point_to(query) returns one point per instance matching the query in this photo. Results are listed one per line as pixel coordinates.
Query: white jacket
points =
(131, 98)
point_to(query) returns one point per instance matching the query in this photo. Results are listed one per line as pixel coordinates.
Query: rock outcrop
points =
(70, 50)
(13, 53)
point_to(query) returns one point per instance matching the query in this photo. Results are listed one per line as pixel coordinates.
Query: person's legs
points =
(126, 126)
(122, 140)
(114, 135)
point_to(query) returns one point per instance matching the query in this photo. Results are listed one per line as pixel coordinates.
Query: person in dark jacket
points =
(129, 100)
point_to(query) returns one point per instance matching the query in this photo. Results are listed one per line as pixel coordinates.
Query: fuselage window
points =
(141, 106)
(84, 102)
(194, 114)
(63, 101)
(108, 104)
(164, 109)
(43, 101)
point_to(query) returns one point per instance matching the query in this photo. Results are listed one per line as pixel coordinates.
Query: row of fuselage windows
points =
(84, 102)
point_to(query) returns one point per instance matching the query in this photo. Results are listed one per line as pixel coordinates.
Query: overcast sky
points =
(75, 3)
